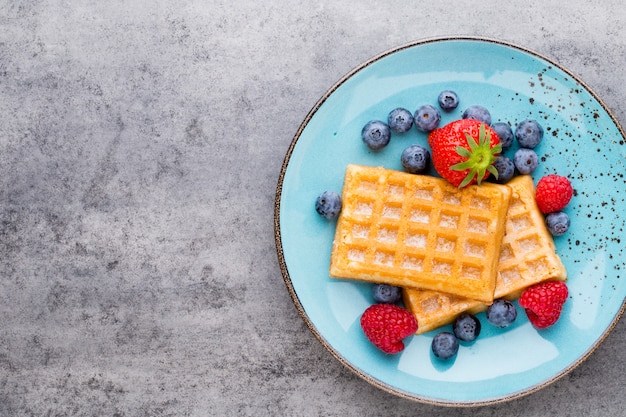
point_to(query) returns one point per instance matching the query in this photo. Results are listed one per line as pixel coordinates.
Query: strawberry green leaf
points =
(464, 152)
(479, 158)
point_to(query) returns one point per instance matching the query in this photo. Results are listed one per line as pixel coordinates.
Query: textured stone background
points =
(140, 145)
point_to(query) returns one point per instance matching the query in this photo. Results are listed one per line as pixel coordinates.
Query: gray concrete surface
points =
(140, 146)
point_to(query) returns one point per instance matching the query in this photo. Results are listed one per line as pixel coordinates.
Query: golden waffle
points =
(434, 309)
(527, 257)
(419, 231)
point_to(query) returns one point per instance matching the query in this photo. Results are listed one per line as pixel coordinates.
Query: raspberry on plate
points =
(553, 193)
(386, 325)
(543, 302)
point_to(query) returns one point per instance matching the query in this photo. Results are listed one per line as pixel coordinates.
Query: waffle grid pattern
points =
(419, 230)
(434, 309)
(527, 256)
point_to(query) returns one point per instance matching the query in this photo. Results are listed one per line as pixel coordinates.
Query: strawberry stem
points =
(479, 157)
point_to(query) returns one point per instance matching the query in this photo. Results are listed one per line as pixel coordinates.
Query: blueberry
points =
(505, 133)
(376, 134)
(529, 133)
(400, 120)
(466, 327)
(525, 160)
(444, 345)
(557, 223)
(448, 100)
(328, 204)
(501, 313)
(427, 118)
(477, 112)
(505, 168)
(387, 294)
(415, 159)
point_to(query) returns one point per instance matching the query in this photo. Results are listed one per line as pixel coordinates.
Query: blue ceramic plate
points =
(582, 141)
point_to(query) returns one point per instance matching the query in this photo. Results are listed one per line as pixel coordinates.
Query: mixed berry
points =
(466, 151)
(505, 133)
(525, 160)
(427, 118)
(557, 223)
(415, 159)
(448, 100)
(466, 327)
(386, 325)
(505, 168)
(543, 302)
(386, 294)
(529, 133)
(501, 313)
(477, 112)
(400, 120)
(376, 134)
(328, 204)
(445, 345)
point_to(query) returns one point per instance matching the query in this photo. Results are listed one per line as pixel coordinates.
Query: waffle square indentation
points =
(392, 211)
(529, 244)
(383, 258)
(449, 220)
(443, 267)
(478, 225)
(360, 231)
(416, 240)
(387, 235)
(420, 215)
(471, 272)
(475, 249)
(414, 263)
(480, 203)
(445, 244)
(430, 304)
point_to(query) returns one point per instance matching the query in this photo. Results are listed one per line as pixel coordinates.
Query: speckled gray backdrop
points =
(140, 146)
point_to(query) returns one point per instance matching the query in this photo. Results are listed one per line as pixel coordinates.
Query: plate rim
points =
(287, 277)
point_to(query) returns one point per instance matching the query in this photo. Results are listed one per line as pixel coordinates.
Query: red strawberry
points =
(385, 325)
(553, 193)
(543, 302)
(463, 152)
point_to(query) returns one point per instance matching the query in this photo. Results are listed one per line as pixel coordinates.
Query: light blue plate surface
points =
(582, 141)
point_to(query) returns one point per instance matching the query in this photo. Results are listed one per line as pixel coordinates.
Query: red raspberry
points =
(385, 325)
(543, 302)
(553, 192)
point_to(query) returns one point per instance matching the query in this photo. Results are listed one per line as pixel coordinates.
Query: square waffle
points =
(434, 309)
(527, 256)
(419, 231)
